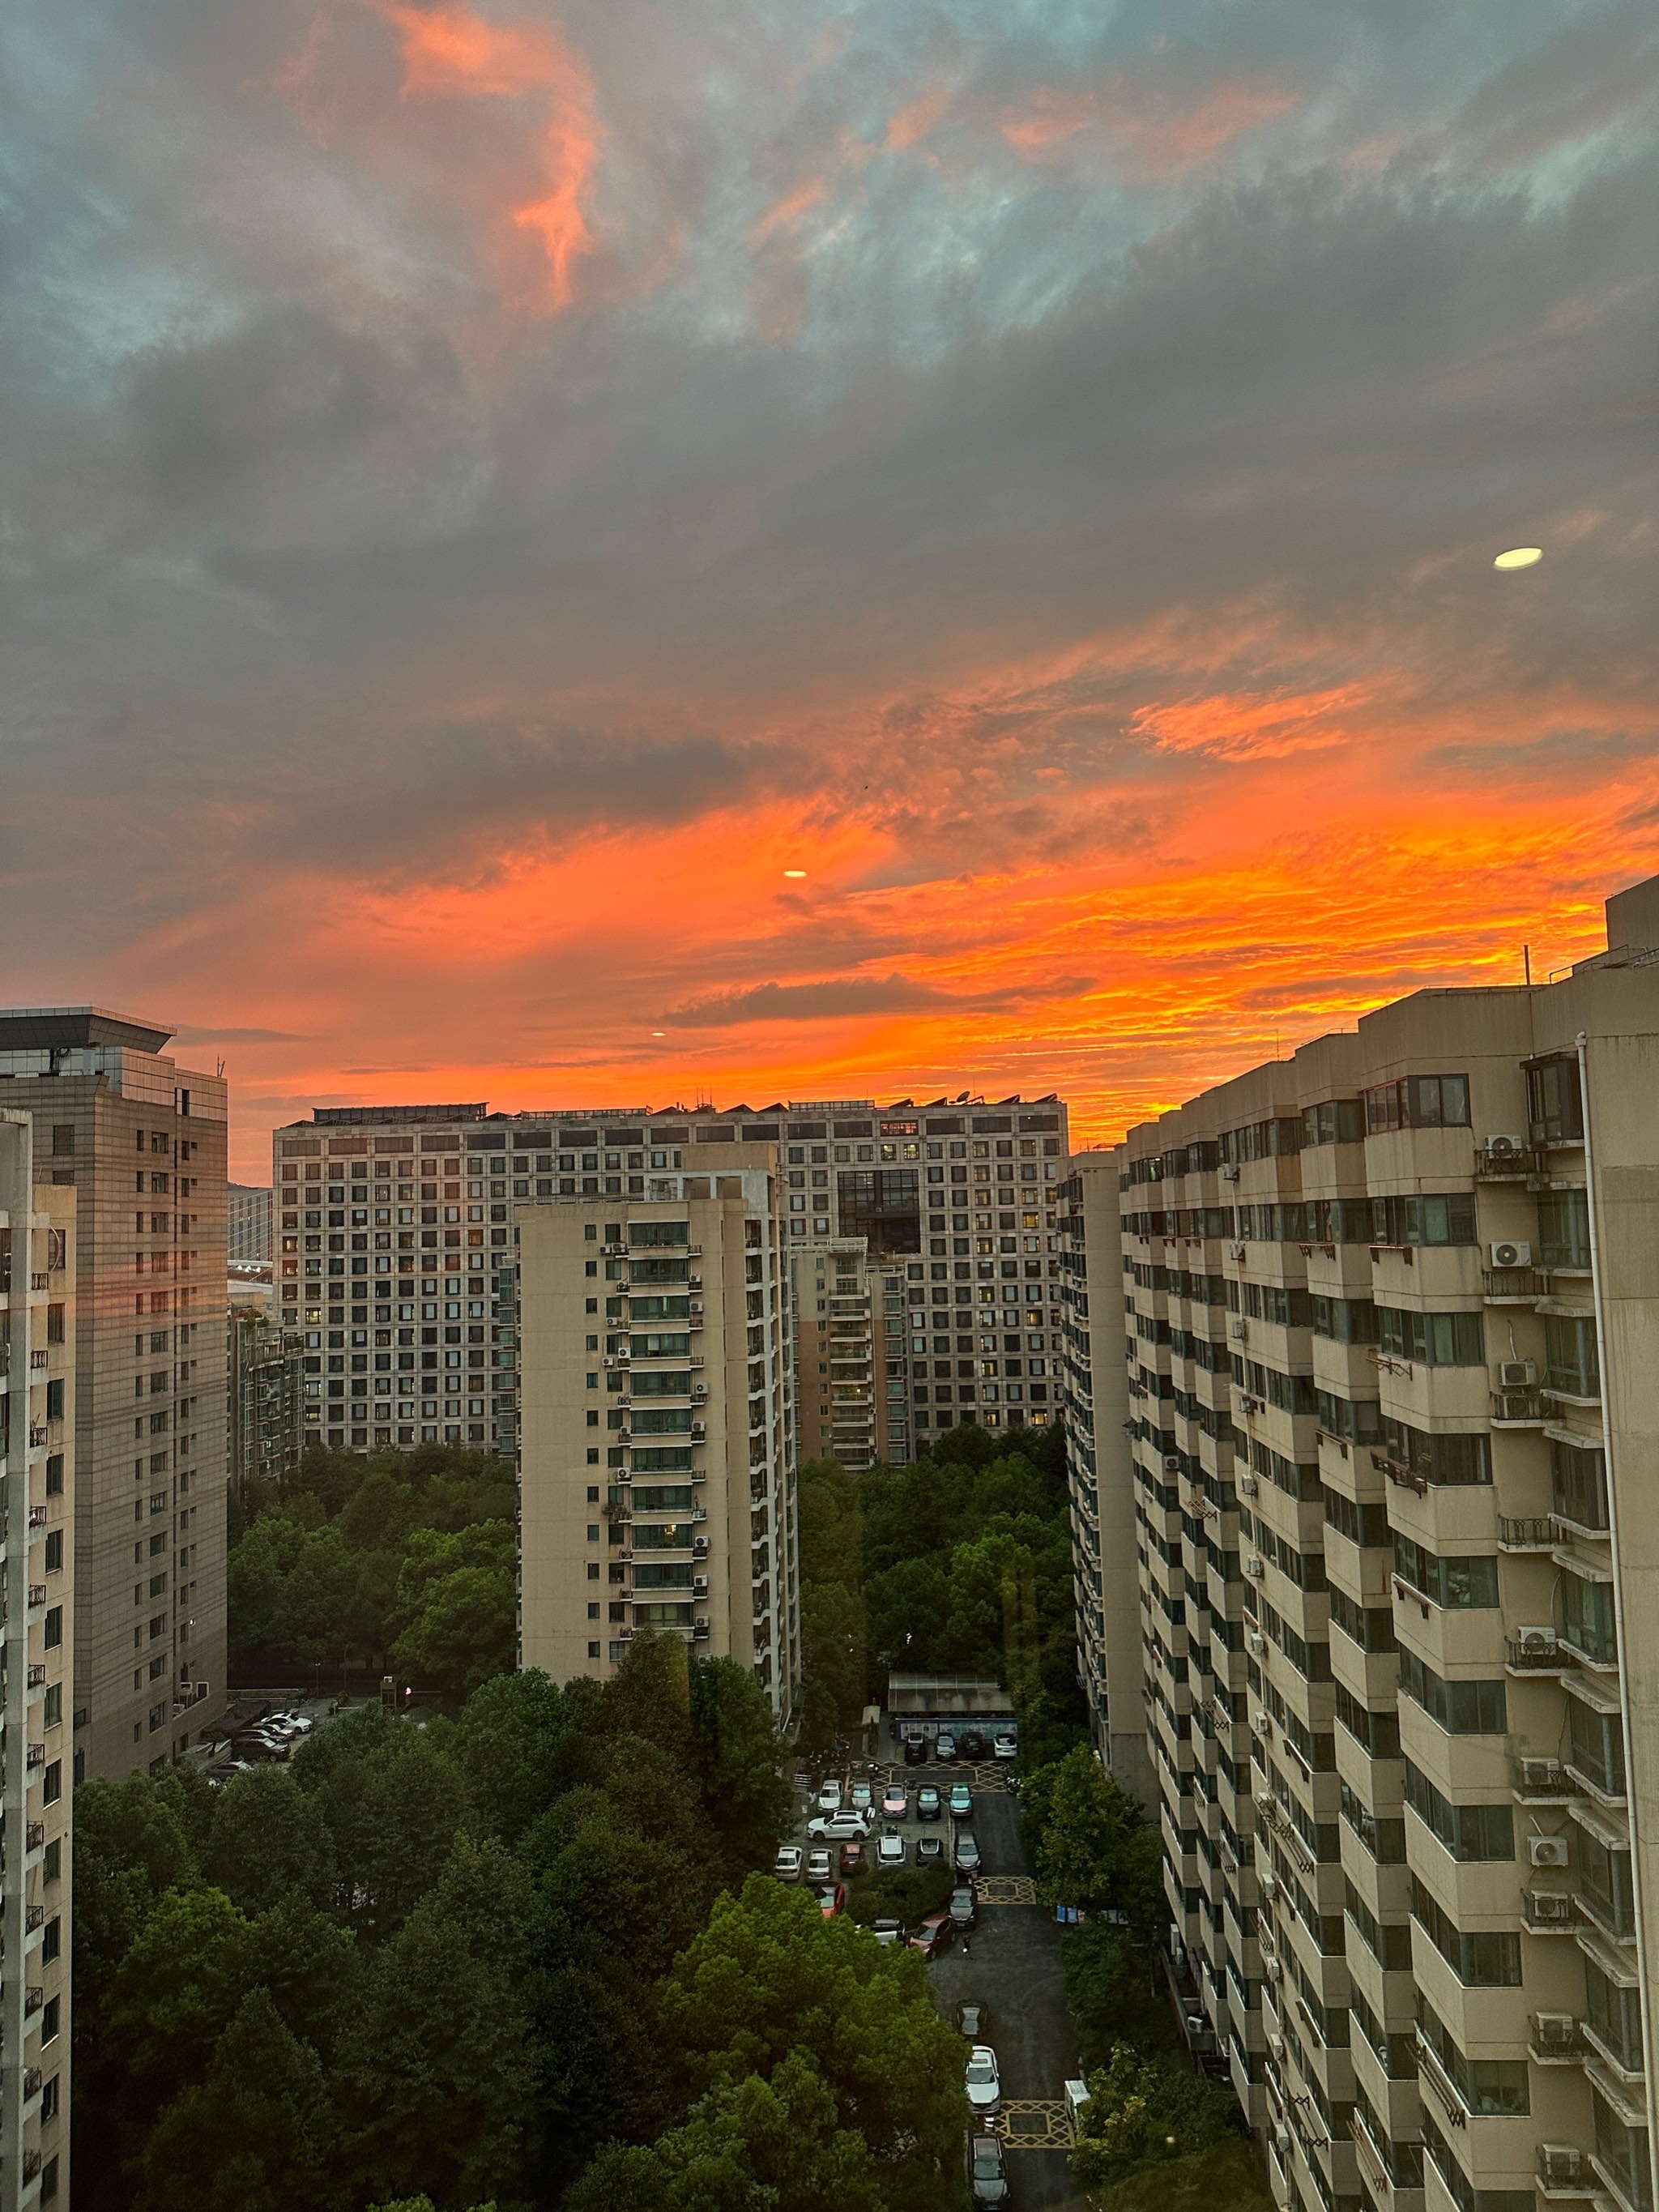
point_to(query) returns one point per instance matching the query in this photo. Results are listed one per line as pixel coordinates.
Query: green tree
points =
(833, 1664)
(768, 1979)
(268, 1839)
(1090, 1844)
(508, 1746)
(748, 2145)
(1112, 1993)
(1143, 2113)
(132, 1846)
(256, 2135)
(438, 2079)
(393, 1799)
(737, 1757)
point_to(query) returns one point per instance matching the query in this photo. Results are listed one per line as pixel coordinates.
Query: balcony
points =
(1529, 1532)
(1555, 2038)
(1516, 1409)
(1542, 1782)
(1547, 1912)
(1513, 1286)
(37, 1594)
(35, 1756)
(35, 1916)
(1403, 1477)
(37, 1676)
(1510, 1160)
(1536, 1651)
(1565, 2171)
(34, 1997)
(34, 1835)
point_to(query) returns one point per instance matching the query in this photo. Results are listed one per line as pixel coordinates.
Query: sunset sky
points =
(487, 490)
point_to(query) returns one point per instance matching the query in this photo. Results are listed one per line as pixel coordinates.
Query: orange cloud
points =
(450, 49)
(914, 120)
(785, 214)
(1150, 128)
(1229, 725)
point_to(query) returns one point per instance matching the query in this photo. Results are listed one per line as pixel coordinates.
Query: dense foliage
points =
(458, 1960)
(1144, 2113)
(958, 1564)
(404, 1561)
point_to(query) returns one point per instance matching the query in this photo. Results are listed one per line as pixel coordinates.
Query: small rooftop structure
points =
(946, 1697)
(49, 1029)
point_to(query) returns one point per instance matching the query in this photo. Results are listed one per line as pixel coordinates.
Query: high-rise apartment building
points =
(248, 1222)
(394, 1235)
(657, 1472)
(1102, 1501)
(1393, 1361)
(141, 1141)
(37, 1684)
(264, 1423)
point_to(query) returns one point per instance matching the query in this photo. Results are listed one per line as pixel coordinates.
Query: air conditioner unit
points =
(1235, 1251)
(1257, 1644)
(1547, 1851)
(1254, 1568)
(1276, 2045)
(1512, 1256)
(1540, 1774)
(1555, 2030)
(1239, 1331)
(1560, 2163)
(1245, 1485)
(1517, 1374)
(1196, 2023)
(1506, 1148)
(1536, 1639)
(1229, 1171)
(699, 1582)
(1550, 1908)
(1172, 1462)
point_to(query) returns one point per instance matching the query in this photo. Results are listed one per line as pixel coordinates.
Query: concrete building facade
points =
(1103, 1496)
(141, 1141)
(265, 1420)
(248, 1222)
(36, 1683)
(395, 1261)
(1392, 1347)
(658, 1469)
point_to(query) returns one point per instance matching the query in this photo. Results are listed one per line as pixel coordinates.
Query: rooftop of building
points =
(47, 1029)
(796, 1111)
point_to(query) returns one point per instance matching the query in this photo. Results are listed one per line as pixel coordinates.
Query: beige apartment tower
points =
(1102, 1495)
(141, 1143)
(1393, 1364)
(658, 1467)
(37, 1684)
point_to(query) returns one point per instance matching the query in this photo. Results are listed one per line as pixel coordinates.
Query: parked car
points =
(227, 1770)
(861, 1797)
(831, 1900)
(817, 1866)
(889, 1851)
(967, 1852)
(895, 1801)
(915, 1751)
(851, 1860)
(973, 2019)
(888, 1931)
(984, 2079)
(930, 1851)
(937, 1933)
(786, 1865)
(927, 1802)
(970, 1744)
(1006, 1747)
(255, 1744)
(944, 1749)
(829, 1797)
(838, 1827)
(963, 1907)
(987, 2169)
(962, 1802)
(1075, 2094)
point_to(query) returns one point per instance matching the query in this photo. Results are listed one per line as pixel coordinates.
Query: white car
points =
(889, 1851)
(984, 2081)
(840, 1827)
(786, 1865)
(888, 1931)
(829, 1797)
(1006, 1747)
(818, 1869)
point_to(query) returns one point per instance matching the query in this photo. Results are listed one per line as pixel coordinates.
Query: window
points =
(1578, 1483)
(1596, 1749)
(1571, 1358)
(1615, 2016)
(1456, 1584)
(63, 1139)
(1451, 1459)
(1604, 1882)
(1624, 2152)
(1490, 2087)
(1555, 1107)
(1432, 1339)
(1424, 1218)
(54, 1627)
(1419, 1101)
(1460, 1708)
(1346, 1321)
(1486, 1959)
(1468, 1832)
(1564, 1229)
(50, 2012)
(1587, 1617)
(1334, 1122)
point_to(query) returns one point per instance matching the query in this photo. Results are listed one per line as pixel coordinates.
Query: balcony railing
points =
(1516, 1409)
(1538, 1652)
(1564, 2170)
(1532, 1532)
(1547, 1912)
(1554, 2038)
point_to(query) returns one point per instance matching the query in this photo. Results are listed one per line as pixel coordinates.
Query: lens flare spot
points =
(1520, 557)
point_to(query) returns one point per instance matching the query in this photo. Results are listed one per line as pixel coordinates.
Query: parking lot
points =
(1011, 1963)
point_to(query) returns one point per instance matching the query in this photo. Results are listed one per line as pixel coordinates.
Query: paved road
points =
(1013, 1965)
